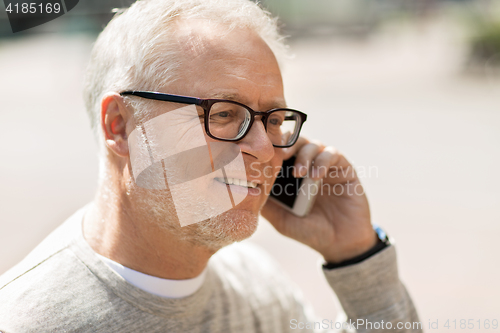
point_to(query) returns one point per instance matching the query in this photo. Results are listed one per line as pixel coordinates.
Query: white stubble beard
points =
(214, 233)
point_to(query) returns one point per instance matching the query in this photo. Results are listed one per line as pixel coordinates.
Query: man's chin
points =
(232, 226)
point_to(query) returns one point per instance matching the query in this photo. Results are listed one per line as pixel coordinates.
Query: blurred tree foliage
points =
(485, 43)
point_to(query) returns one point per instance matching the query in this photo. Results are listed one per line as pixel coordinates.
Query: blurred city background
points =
(408, 89)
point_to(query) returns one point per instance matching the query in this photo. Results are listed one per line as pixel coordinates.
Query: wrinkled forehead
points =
(213, 48)
(201, 37)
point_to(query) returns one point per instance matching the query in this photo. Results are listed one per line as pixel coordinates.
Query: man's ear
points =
(114, 117)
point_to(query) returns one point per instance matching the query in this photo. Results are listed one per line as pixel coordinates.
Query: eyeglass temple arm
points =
(163, 97)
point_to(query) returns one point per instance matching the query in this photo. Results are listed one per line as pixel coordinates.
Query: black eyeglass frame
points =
(206, 104)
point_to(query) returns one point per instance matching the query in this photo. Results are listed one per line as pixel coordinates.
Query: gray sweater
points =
(62, 286)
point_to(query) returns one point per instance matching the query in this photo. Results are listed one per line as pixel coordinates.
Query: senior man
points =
(128, 263)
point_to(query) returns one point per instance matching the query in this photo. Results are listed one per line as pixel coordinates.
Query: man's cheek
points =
(270, 175)
(255, 170)
(273, 171)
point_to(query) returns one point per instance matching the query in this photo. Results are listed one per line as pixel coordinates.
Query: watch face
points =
(381, 233)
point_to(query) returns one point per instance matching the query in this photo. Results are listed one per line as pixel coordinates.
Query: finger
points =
(341, 170)
(289, 152)
(326, 159)
(282, 220)
(305, 156)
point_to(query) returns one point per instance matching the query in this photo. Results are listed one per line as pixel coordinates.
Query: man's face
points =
(239, 66)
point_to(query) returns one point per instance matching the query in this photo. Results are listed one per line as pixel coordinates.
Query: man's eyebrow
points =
(231, 97)
(237, 98)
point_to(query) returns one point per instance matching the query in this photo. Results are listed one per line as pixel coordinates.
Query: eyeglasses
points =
(228, 120)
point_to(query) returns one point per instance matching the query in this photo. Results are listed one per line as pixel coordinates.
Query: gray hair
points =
(136, 49)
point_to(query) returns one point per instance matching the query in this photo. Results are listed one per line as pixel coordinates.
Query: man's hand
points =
(338, 225)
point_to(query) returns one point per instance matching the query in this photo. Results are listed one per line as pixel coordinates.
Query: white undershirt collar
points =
(155, 285)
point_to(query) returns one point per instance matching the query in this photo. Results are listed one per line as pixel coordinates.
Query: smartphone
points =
(294, 194)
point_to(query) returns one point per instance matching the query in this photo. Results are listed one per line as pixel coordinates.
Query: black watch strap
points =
(382, 243)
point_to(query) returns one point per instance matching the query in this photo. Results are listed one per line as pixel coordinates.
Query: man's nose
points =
(257, 142)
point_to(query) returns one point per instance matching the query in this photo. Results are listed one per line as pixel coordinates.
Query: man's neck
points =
(121, 235)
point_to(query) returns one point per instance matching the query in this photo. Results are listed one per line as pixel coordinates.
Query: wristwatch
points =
(382, 242)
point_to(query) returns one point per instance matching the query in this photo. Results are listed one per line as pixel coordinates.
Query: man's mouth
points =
(236, 181)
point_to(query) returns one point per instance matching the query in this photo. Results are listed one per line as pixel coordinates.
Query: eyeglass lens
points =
(230, 121)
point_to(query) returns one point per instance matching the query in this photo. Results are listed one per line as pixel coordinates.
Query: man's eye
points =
(275, 121)
(222, 114)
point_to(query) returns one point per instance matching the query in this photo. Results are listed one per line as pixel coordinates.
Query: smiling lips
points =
(236, 181)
